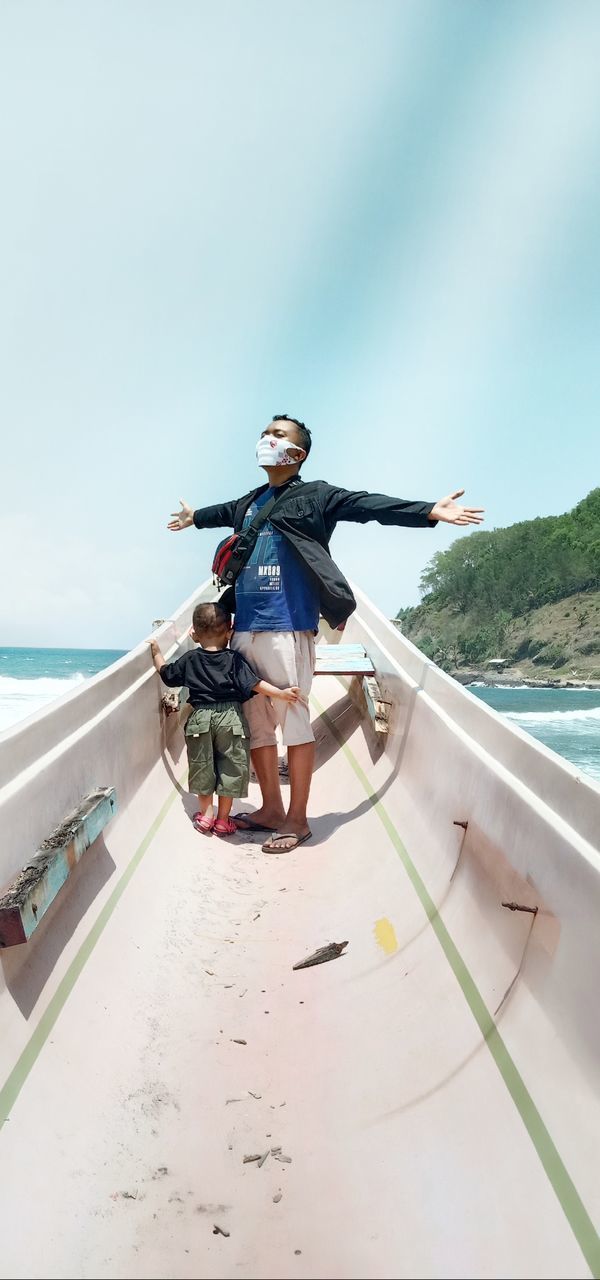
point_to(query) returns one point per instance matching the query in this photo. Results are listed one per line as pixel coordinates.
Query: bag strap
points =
(263, 514)
(246, 538)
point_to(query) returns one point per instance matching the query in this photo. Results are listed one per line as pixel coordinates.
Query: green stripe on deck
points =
(562, 1184)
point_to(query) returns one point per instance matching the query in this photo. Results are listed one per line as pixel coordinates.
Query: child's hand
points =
(157, 657)
(292, 694)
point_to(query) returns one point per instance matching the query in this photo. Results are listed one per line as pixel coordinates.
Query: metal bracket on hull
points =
(27, 898)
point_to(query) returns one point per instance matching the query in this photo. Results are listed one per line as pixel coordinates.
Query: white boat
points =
(428, 1101)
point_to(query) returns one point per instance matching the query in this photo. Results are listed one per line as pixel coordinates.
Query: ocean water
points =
(566, 720)
(30, 678)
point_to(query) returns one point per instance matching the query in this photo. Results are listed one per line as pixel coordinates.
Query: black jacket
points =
(307, 518)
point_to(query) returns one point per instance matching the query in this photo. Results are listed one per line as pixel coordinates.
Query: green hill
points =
(528, 594)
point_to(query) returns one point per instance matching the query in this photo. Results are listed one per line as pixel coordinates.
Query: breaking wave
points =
(20, 698)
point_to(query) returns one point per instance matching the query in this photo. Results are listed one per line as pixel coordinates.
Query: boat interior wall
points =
(104, 734)
(539, 850)
(547, 775)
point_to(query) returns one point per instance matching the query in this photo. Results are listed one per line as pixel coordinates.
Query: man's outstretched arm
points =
(451, 511)
(360, 507)
(219, 517)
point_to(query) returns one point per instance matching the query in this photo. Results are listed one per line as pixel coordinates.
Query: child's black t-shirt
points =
(211, 677)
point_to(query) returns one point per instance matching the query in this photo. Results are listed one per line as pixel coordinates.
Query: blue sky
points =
(380, 217)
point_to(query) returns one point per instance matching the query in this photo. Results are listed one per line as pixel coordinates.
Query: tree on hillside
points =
(520, 567)
(474, 591)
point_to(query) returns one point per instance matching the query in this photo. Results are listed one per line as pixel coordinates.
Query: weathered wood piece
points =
(26, 899)
(376, 707)
(322, 955)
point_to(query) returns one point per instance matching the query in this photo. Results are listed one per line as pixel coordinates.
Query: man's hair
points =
(303, 433)
(211, 619)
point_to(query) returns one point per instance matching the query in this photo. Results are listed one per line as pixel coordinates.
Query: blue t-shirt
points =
(274, 591)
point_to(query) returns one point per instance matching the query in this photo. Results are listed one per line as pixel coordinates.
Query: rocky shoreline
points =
(500, 679)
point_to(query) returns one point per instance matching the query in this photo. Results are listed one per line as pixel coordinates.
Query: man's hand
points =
(181, 519)
(450, 511)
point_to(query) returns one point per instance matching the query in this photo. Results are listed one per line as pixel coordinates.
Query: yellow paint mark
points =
(385, 935)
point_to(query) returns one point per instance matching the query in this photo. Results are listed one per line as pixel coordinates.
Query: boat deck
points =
(180, 1040)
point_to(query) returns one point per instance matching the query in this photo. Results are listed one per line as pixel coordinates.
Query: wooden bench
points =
(353, 660)
(343, 660)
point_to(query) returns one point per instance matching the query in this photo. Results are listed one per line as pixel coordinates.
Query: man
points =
(288, 581)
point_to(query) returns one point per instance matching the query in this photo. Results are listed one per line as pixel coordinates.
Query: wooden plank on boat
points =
(342, 660)
(26, 899)
(376, 707)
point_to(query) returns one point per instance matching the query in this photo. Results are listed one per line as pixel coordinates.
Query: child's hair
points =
(211, 619)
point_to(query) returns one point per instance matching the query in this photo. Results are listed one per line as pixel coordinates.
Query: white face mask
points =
(272, 451)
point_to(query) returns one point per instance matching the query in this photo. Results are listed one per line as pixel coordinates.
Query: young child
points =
(218, 680)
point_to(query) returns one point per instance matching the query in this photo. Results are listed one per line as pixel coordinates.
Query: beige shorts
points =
(283, 658)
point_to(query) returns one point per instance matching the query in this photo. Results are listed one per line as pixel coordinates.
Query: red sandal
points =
(202, 822)
(225, 827)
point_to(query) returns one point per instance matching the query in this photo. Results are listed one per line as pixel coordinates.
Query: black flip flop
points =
(249, 825)
(287, 835)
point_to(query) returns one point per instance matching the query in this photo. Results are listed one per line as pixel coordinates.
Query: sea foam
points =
(20, 698)
(557, 717)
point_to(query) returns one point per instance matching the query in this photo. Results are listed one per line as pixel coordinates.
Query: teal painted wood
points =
(26, 900)
(342, 660)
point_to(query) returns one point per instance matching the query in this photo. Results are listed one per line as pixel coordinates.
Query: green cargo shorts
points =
(217, 745)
